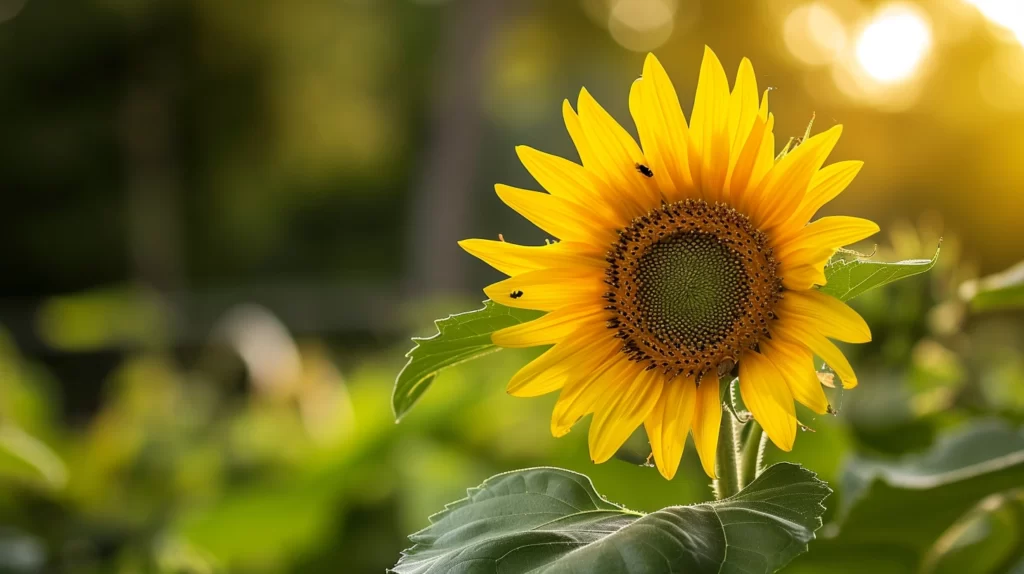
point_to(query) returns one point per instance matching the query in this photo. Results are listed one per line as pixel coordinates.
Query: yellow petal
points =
(617, 154)
(796, 364)
(707, 418)
(551, 328)
(549, 289)
(579, 139)
(828, 233)
(743, 107)
(709, 139)
(572, 182)
(826, 314)
(575, 357)
(828, 183)
(820, 346)
(662, 128)
(835, 359)
(742, 167)
(512, 259)
(581, 394)
(805, 268)
(769, 399)
(630, 402)
(801, 277)
(625, 203)
(781, 192)
(660, 173)
(669, 422)
(556, 216)
(765, 156)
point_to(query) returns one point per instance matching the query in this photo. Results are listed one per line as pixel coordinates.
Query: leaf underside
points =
(549, 520)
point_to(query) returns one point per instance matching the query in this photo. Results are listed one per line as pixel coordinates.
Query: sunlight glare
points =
(893, 45)
(1007, 14)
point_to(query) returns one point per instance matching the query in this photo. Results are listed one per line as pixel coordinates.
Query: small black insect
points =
(644, 170)
(516, 294)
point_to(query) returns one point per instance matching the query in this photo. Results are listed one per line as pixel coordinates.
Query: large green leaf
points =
(894, 511)
(459, 338)
(552, 521)
(1003, 290)
(898, 502)
(847, 279)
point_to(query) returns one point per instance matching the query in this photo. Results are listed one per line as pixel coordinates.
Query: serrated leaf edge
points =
(439, 325)
(927, 265)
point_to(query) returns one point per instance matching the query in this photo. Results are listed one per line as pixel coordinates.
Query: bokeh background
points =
(222, 220)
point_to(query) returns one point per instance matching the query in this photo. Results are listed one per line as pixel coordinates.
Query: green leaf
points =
(893, 512)
(459, 338)
(1003, 290)
(846, 279)
(549, 520)
(898, 502)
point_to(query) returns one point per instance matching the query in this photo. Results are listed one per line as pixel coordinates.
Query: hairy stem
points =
(752, 453)
(727, 459)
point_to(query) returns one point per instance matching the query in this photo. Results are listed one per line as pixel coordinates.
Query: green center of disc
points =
(690, 288)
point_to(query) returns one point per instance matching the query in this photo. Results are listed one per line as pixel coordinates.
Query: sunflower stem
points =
(752, 457)
(727, 460)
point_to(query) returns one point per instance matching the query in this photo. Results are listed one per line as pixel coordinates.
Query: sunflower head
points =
(679, 260)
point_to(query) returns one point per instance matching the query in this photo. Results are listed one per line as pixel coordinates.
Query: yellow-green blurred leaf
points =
(28, 459)
(102, 318)
(1003, 290)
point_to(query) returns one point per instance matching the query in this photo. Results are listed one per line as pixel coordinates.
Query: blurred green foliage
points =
(188, 467)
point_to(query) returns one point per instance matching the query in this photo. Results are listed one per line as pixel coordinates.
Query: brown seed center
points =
(692, 286)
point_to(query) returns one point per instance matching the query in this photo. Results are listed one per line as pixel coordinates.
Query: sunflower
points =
(678, 261)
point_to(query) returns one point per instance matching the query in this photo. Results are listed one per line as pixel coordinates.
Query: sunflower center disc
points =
(693, 285)
(690, 287)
